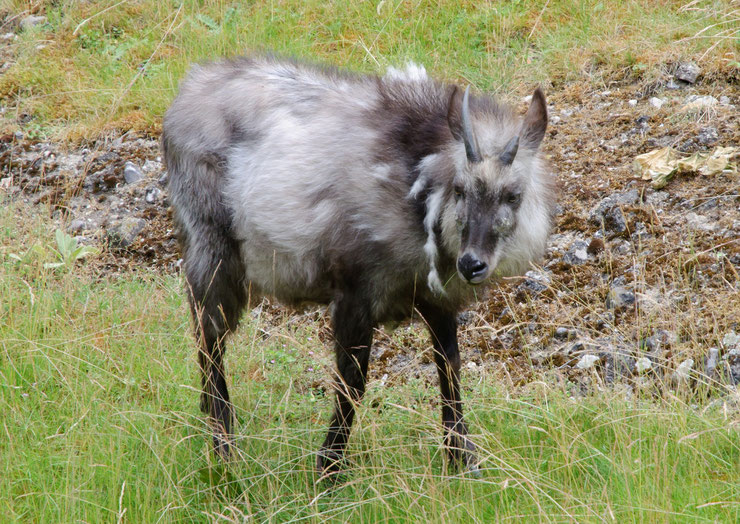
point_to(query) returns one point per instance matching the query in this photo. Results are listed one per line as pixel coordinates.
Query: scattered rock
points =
(731, 340)
(632, 103)
(561, 333)
(123, 233)
(687, 72)
(577, 254)
(700, 222)
(684, 369)
(131, 173)
(76, 226)
(535, 282)
(697, 103)
(153, 194)
(587, 361)
(643, 364)
(725, 101)
(32, 21)
(732, 365)
(710, 363)
(707, 136)
(620, 297)
(656, 102)
(465, 317)
(9, 37)
(555, 120)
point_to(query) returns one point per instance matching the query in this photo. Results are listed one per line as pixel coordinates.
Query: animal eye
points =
(458, 192)
(514, 198)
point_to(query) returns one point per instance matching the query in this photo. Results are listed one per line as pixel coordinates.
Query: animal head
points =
(497, 215)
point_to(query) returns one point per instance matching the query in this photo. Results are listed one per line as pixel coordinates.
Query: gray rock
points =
(656, 102)
(725, 100)
(32, 21)
(561, 333)
(710, 363)
(672, 84)
(535, 282)
(632, 102)
(131, 173)
(687, 72)
(577, 254)
(153, 194)
(700, 222)
(619, 297)
(162, 181)
(707, 135)
(77, 225)
(732, 365)
(696, 102)
(9, 37)
(123, 233)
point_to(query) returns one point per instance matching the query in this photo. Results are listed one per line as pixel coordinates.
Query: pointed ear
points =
(454, 118)
(535, 121)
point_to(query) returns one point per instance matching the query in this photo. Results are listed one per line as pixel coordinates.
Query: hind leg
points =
(214, 273)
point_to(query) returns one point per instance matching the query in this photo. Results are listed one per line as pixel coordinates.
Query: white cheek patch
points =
(434, 207)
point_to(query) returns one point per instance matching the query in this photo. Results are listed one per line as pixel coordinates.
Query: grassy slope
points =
(97, 376)
(97, 388)
(92, 68)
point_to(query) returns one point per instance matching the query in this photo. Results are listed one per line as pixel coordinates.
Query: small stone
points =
(710, 364)
(723, 100)
(642, 364)
(632, 103)
(32, 21)
(619, 297)
(561, 333)
(707, 136)
(731, 340)
(656, 102)
(162, 181)
(9, 37)
(555, 120)
(153, 194)
(687, 72)
(697, 103)
(535, 282)
(131, 173)
(587, 361)
(614, 221)
(672, 84)
(684, 369)
(123, 233)
(77, 225)
(699, 222)
(577, 254)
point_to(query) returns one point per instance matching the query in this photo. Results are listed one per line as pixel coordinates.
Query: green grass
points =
(112, 65)
(98, 390)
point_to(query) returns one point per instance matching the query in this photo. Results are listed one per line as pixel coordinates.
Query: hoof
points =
(329, 465)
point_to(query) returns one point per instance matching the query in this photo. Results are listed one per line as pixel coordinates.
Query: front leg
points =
(442, 327)
(353, 334)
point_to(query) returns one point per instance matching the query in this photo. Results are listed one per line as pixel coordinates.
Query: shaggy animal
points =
(387, 197)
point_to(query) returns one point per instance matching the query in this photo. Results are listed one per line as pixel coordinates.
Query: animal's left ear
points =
(535, 121)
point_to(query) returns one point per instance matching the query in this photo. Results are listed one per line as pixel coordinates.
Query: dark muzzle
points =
(471, 268)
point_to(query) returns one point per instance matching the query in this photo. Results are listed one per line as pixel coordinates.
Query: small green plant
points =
(68, 251)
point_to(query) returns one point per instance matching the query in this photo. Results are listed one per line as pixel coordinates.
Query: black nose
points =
(470, 267)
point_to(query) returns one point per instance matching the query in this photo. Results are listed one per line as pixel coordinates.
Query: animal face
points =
(486, 211)
(491, 188)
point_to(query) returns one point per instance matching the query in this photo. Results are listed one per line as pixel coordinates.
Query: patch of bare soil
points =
(639, 286)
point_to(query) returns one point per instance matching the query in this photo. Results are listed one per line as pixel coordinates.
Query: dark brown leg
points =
(217, 298)
(353, 332)
(443, 330)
